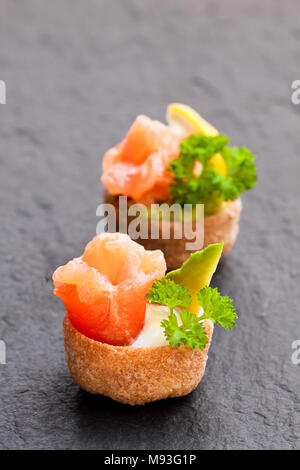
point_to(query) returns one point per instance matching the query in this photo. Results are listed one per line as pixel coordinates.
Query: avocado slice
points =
(197, 271)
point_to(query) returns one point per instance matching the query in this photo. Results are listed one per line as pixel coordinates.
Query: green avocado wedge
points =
(197, 271)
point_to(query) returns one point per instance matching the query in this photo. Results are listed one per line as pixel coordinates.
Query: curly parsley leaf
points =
(241, 172)
(190, 333)
(167, 292)
(203, 147)
(210, 187)
(217, 308)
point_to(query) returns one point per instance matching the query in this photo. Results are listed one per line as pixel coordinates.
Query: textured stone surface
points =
(77, 73)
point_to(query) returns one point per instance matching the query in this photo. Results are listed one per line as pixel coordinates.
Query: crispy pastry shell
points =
(223, 226)
(131, 375)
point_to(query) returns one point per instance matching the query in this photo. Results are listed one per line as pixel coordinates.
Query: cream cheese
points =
(152, 333)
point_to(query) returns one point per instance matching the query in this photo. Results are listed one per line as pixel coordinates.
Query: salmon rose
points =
(104, 290)
(138, 166)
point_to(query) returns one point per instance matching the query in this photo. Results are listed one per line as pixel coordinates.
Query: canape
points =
(184, 162)
(131, 332)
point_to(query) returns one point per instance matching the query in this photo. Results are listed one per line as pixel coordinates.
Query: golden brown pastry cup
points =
(223, 226)
(131, 375)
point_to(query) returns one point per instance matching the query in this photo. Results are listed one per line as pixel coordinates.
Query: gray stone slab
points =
(77, 74)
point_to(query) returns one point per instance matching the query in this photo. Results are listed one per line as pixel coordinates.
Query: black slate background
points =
(77, 74)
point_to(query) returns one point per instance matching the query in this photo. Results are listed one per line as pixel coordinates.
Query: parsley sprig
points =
(191, 331)
(211, 188)
(217, 308)
(169, 293)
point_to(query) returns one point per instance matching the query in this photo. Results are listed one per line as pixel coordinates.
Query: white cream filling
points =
(152, 333)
